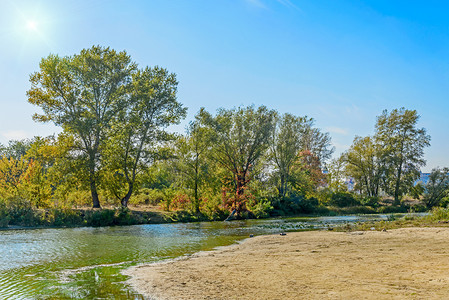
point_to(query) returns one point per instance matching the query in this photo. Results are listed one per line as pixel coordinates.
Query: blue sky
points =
(340, 62)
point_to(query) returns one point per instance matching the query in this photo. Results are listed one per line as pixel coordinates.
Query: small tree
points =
(437, 187)
(365, 164)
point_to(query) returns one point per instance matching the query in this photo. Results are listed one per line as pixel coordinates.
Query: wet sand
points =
(408, 263)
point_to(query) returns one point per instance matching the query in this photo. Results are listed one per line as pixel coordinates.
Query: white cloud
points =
(15, 135)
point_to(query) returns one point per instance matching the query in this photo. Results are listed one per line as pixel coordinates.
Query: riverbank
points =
(26, 217)
(393, 264)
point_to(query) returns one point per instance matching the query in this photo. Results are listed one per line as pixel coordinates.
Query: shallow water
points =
(85, 263)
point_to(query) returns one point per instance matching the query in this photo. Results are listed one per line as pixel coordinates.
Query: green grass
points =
(438, 217)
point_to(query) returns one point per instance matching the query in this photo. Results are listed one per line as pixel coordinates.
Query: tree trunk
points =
(238, 203)
(396, 189)
(281, 187)
(231, 215)
(125, 199)
(94, 193)
(196, 204)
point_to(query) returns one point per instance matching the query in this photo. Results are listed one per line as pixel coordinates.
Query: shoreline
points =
(400, 263)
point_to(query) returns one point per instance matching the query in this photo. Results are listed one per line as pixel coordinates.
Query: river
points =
(85, 263)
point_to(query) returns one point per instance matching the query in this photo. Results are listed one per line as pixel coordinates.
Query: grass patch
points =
(438, 217)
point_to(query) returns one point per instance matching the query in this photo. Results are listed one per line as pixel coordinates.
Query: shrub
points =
(210, 205)
(418, 208)
(370, 201)
(295, 204)
(79, 198)
(123, 216)
(103, 217)
(261, 208)
(148, 197)
(21, 213)
(351, 210)
(444, 202)
(392, 209)
(4, 217)
(180, 201)
(439, 214)
(66, 217)
(343, 199)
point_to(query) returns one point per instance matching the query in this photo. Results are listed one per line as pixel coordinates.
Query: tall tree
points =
(336, 175)
(285, 146)
(240, 137)
(292, 137)
(83, 93)
(192, 159)
(402, 145)
(138, 132)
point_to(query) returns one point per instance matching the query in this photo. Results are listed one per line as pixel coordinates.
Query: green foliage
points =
(436, 188)
(64, 217)
(295, 204)
(21, 213)
(240, 138)
(260, 208)
(343, 199)
(392, 209)
(364, 163)
(439, 214)
(147, 196)
(136, 135)
(352, 210)
(402, 149)
(4, 216)
(101, 217)
(370, 201)
(391, 159)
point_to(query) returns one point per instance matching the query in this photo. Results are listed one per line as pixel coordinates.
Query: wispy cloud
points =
(15, 135)
(289, 4)
(263, 3)
(337, 130)
(256, 3)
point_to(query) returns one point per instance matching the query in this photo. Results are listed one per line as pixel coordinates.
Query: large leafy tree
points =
(402, 144)
(292, 138)
(138, 133)
(240, 138)
(83, 93)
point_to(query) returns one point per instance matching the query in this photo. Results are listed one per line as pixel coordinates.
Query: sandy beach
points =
(408, 263)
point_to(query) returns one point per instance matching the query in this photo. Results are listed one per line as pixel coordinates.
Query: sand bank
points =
(408, 263)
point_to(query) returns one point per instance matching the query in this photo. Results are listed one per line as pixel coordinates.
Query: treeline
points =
(115, 149)
(248, 160)
(389, 162)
